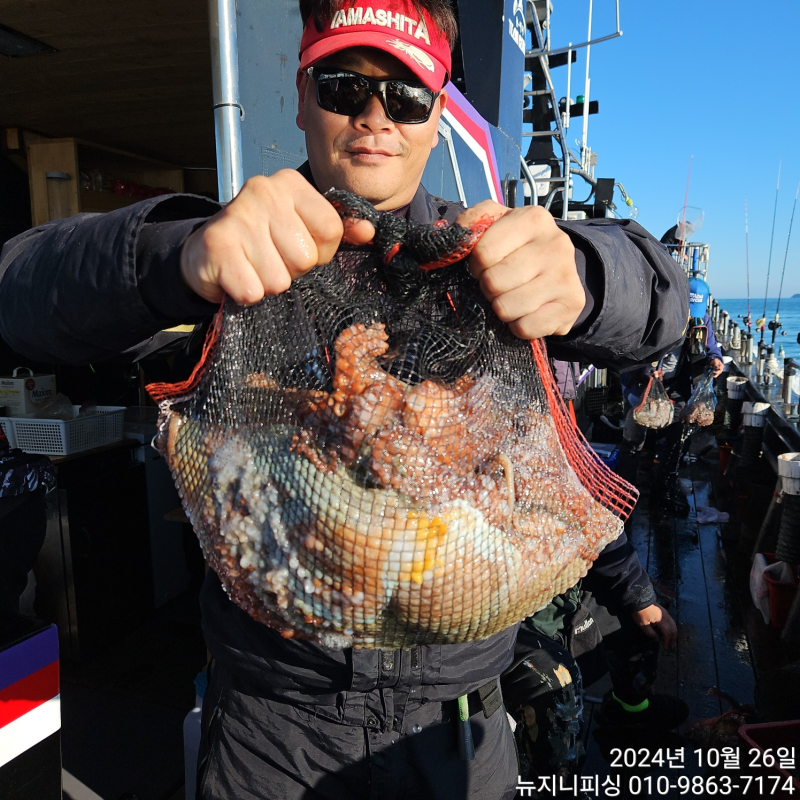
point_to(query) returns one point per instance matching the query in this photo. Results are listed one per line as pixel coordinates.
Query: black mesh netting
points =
(372, 459)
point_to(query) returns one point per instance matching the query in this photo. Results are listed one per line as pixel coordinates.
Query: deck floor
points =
(701, 575)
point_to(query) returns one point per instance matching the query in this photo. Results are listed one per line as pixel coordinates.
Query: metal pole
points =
(228, 112)
(584, 157)
(565, 119)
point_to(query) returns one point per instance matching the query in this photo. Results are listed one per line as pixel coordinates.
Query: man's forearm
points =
(73, 291)
(640, 297)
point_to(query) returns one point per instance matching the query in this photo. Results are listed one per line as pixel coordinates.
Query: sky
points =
(708, 81)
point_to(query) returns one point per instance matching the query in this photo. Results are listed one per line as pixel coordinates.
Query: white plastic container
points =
(754, 415)
(736, 387)
(57, 437)
(789, 470)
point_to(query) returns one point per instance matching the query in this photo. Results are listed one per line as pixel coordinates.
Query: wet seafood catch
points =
(371, 459)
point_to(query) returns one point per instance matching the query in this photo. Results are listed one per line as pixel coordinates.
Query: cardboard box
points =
(21, 392)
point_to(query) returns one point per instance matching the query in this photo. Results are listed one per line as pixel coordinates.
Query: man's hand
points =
(716, 366)
(526, 268)
(275, 230)
(656, 623)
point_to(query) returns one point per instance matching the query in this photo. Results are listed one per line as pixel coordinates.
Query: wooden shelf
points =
(61, 195)
(102, 201)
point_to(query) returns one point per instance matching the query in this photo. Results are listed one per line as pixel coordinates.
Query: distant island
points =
(795, 295)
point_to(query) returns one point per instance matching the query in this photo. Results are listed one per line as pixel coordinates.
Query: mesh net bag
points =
(655, 410)
(699, 410)
(372, 459)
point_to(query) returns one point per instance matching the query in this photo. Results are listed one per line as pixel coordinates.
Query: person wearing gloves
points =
(291, 719)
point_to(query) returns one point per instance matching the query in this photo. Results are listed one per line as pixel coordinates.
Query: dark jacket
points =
(94, 286)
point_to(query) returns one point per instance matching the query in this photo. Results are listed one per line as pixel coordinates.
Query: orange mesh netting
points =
(372, 459)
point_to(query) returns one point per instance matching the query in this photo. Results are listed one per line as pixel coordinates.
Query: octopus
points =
(382, 513)
(654, 413)
(699, 414)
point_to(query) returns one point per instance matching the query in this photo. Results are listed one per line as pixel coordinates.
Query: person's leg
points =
(671, 446)
(22, 533)
(633, 664)
(429, 762)
(254, 748)
(633, 439)
(543, 691)
(632, 661)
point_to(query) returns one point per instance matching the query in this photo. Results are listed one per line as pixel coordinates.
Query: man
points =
(284, 718)
(682, 366)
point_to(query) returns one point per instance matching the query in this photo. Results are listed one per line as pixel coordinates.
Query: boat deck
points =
(123, 711)
(701, 573)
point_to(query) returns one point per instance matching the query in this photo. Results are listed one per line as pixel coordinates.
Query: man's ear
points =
(442, 99)
(301, 81)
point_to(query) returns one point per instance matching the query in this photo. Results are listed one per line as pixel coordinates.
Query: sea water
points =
(789, 318)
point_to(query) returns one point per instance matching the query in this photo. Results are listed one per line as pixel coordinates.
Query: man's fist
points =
(526, 268)
(275, 230)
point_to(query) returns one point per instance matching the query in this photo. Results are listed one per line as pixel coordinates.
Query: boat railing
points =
(767, 381)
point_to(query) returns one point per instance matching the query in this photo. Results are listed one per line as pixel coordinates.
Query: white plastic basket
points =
(56, 437)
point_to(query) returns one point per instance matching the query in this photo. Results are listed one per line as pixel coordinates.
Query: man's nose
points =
(373, 117)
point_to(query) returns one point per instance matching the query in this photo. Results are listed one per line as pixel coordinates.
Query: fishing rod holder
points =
(736, 337)
(754, 417)
(765, 352)
(736, 388)
(791, 367)
(724, 327)
(746, 353)
(788, 548)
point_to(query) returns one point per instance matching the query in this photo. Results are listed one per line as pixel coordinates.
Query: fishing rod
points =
(748, 319)
(775, 324)
(762, 322)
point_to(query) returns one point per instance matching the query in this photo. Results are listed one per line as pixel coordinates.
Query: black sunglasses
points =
(348, 93)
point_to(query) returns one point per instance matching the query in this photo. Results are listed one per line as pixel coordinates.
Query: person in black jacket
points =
(292, 719)
(609, 622)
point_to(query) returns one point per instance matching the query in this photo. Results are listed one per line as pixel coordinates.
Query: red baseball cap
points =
(393, 26)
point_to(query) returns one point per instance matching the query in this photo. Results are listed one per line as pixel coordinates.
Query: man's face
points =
(369, 154)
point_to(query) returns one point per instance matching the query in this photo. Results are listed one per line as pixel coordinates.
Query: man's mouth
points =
(369, 153)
